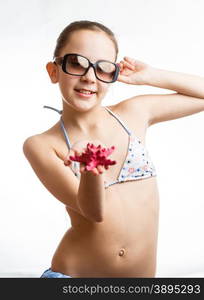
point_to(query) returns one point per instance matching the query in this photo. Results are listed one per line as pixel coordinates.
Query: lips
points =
(85, 91)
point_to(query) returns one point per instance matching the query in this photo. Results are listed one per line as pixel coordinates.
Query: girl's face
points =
(94, 45)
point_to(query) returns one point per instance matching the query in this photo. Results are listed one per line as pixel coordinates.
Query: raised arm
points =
(188, 99)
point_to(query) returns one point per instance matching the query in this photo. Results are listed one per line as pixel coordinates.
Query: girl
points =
(114, 212)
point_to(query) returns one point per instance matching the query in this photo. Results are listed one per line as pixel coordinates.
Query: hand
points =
(133, 71)
(77, 149)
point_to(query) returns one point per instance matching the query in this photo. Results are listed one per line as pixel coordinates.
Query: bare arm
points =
(188, 99)
(86, 198)
(91, 191)
(91, 196)
(50, 170)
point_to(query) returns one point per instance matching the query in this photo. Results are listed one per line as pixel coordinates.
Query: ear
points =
(53, 71)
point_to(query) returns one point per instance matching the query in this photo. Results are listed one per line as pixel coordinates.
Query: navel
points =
(121, 252)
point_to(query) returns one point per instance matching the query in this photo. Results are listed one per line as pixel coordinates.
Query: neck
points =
(84, 121)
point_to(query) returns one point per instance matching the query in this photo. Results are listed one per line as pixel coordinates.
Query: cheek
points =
(66, 86)
(104, 88)
(67, 82)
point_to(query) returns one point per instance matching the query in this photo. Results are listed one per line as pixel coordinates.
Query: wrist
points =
(91, 174)
(152, 77)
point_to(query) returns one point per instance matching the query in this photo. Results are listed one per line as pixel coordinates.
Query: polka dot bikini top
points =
(137, 165)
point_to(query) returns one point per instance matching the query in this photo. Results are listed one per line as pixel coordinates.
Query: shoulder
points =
(31, 141)
(38, 144)
(46, 139)
(63, 185)
(49, 142)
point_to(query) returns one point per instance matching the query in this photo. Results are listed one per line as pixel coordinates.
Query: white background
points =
(167, 34)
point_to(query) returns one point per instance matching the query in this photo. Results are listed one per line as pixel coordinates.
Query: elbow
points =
(94, 213)
(94, 218)
(98, 219)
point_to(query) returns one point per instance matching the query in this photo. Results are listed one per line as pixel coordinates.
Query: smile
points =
(85, 93)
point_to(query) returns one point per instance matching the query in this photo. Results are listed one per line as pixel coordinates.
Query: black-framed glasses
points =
(78, 65)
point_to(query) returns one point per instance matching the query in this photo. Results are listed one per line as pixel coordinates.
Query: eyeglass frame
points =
(62, 62)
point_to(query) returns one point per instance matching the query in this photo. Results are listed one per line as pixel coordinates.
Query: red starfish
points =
(94, 156)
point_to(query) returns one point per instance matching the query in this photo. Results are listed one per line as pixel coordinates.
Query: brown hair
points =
(78, 25)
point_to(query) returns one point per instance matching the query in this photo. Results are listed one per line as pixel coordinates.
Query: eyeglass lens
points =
(77, 65)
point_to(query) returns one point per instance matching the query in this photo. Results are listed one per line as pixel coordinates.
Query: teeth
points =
(85, 92)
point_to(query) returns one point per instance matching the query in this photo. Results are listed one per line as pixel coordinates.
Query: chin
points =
(82, 105)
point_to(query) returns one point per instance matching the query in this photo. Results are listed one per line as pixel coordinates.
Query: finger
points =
(82, 168)
(129, 59)
(129, 65)
(67, 162)
(120, 65)
(95, 171)
(67, 159)
(100, 169)
(135, 62)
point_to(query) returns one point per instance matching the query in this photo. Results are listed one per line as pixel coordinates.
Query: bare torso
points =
(125, 243)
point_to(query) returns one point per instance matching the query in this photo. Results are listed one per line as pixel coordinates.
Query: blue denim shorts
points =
(51, 274)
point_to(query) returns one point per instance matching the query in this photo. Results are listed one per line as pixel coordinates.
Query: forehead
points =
(94, 45)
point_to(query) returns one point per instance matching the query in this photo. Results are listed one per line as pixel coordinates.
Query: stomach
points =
(123, 245)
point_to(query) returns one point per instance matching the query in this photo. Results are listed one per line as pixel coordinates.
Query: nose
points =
(90, 75)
